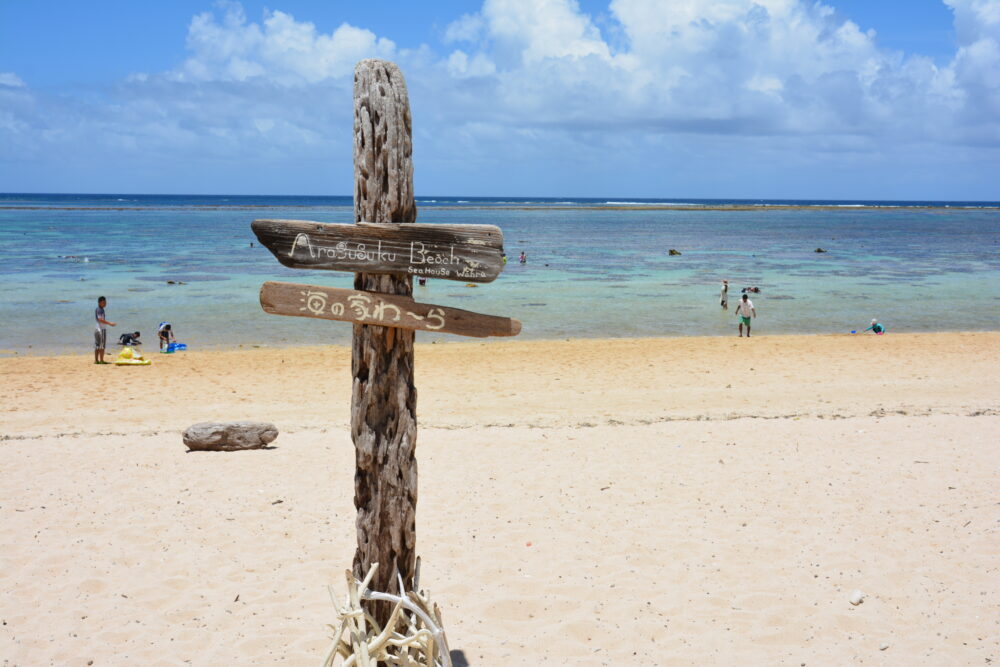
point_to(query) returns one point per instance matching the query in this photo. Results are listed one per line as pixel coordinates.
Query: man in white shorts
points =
(101, 333)
(744, 310)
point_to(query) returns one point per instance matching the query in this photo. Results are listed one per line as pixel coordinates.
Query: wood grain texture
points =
(471, 253)
(384, 400)
(345, 305)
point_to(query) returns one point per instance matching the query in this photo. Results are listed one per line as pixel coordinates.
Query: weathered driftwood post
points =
(384, 249)
(383, 405)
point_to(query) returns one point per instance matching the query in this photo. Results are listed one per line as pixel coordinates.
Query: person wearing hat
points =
(744, 310)
(877, 328)
(165, 333)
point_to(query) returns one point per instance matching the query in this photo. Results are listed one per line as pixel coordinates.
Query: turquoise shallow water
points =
(592, 272)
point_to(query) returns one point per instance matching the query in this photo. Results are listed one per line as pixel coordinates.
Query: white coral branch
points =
(413, 636)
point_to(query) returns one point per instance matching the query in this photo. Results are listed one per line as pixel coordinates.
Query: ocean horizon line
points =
(181, 201)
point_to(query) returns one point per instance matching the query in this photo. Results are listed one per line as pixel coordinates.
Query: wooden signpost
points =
(385, 255)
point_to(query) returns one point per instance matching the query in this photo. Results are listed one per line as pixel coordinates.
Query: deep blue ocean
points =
(597, 267)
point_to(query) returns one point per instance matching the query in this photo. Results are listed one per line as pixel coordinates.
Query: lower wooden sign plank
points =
(387, 310)
(470, 253)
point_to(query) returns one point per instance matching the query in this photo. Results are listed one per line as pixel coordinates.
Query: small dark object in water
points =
(819, 250)
(673, 252)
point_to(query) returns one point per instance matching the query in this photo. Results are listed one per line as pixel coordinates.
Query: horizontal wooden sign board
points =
(387, 310)
(471, 253)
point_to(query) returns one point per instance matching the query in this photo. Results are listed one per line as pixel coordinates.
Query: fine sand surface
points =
(586, 502)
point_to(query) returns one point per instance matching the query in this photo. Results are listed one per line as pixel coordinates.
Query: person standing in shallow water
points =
(101, 334)
(165, 333)
(744, 311)
(724, 295)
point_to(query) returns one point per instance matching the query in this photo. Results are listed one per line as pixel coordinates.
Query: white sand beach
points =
(586, 502)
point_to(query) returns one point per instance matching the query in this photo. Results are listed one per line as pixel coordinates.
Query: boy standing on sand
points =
(744, 310)
(101, 334)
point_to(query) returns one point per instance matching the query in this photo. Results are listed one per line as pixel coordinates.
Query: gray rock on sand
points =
(229, 436)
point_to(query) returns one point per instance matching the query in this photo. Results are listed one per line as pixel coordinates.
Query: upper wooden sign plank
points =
(471, 253)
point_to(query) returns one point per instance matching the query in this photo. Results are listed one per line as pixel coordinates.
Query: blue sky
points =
(657, 98)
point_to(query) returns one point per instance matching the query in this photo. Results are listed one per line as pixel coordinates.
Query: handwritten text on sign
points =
(391, 310)
(471, 253)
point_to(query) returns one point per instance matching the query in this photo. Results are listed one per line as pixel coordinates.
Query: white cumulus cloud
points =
(467, 28)
(11, 79)
(976, 68)
(725, 66)
(280, 49)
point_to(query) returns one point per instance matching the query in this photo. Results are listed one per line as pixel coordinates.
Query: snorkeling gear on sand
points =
(129, 357)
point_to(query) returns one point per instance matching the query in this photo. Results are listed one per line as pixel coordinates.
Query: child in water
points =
(129, 339)
(877, 328)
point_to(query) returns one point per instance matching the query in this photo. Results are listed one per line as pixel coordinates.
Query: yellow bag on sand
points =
(129, 357)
